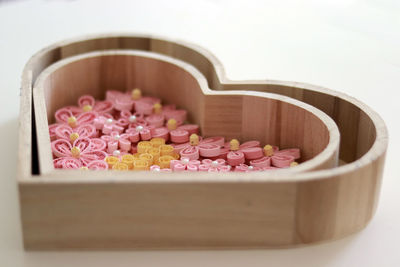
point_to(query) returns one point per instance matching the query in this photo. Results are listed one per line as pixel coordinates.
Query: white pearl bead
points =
(117, 137)
(116, 153)
(132, 118)
(185, 161)
(251, 168)
(214, 163)
(156, 170)
(139, 128)
(109, 121)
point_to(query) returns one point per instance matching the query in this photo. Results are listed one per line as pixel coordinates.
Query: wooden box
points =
(313, 202)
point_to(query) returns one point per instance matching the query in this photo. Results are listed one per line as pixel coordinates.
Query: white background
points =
(346, 45)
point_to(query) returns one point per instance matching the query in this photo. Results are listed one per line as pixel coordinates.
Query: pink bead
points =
(235, 158)
(179, 136)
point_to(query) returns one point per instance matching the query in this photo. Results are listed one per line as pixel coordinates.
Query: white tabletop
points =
(346, 45)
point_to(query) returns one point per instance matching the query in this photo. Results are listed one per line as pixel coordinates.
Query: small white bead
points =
(214, 163)
(185, 161)
(109, 121)
(116, 153)
(251, 168)
(117, 137)
(139, 128)
(132, 118)
(156, 170)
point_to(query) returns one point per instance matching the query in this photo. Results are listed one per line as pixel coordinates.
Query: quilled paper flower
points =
(88, 103)
(81, 149)
(209, 147)
(116, 141)
(64, 131)
(218, 165)
(238, 154)
(52, 131)
(108, 124)
(184, 164)
(141, 133)
(134, 119)
(97, 165)
(65, 116)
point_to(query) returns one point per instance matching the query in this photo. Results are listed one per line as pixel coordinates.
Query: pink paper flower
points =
(116, 141)
(65, 116)
(88, 103)
(208, 147)
(125, 101)
(82, 149)
(106, 124)
(184, 164)
(218, 165)
(247, 151)
(66, 132)
(52, 130)
(133, 119)
(141, 133)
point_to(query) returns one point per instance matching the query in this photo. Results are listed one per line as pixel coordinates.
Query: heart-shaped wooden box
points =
(69, 210)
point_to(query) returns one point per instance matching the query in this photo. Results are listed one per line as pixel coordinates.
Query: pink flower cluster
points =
(84, 135)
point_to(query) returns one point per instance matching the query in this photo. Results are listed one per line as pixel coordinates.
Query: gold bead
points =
(234, 145)
(73, 136)
(268, 151)
(76, 152)
(136, 94)
(293, 164)
(157, 108)
(72, 122)
(194, 139)
(172, 124)
(87, 108)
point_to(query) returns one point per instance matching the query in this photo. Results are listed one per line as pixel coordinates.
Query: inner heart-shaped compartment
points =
(245, 115)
